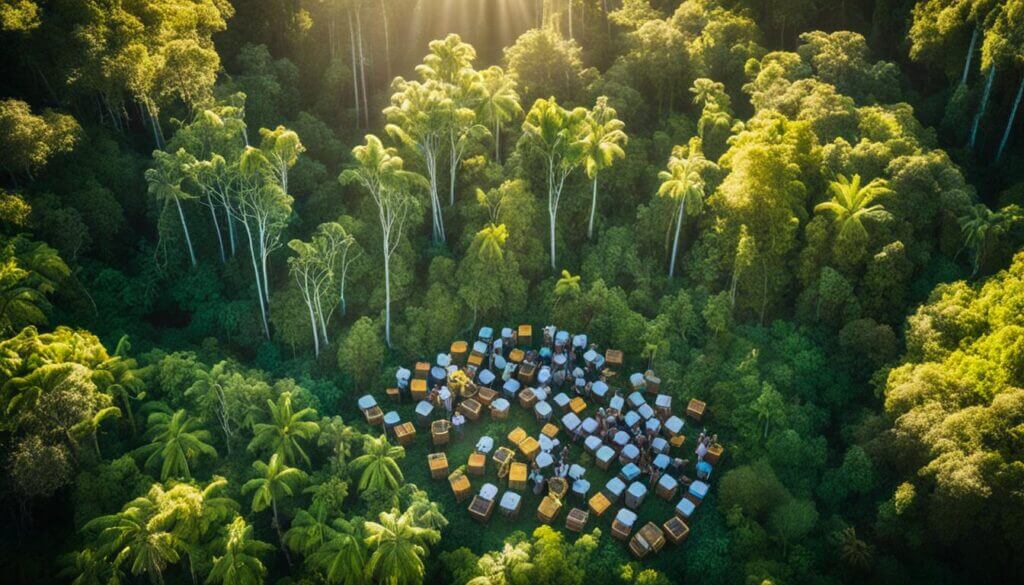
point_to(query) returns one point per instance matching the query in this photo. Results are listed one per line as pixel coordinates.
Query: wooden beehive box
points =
(486, 395)
(525, 335)
(613, 358)
(475, 360)
(714, 453)
(405, 433)
(527, 398)
(516, 356)
(421, 371)
(526, 373)
(460, 486)
(374, 415)
(394, 394)
(517, 477)
(480, 509)
(438, 464)
(548, 509)
(529, 447)
(471, 408)
(695, 409)
(676, 530)
(459, 351)
(577, 520)
(418, 389)
(599, 504)
(439, 432)
(477, 464)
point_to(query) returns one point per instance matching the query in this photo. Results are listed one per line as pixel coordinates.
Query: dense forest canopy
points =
(224, 221)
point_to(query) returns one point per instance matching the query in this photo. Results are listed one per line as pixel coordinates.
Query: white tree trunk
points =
(263, 261)
(981, 107)
(362, 69)
(387, 292)
(497, 141)
(184, 227)
(355, 76)
(593, 207)
(216, 227)
(970, 56)
(1009, 123)
(675, 241)
(312, 324)
(256, 275)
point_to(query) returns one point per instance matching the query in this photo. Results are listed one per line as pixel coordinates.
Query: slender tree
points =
(684, 183)
(379, 171)
(164, 181)
(499, 103)
(601, 144)
(274, 482)
(554, 132)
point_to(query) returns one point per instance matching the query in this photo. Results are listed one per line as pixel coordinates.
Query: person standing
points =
(458, 421)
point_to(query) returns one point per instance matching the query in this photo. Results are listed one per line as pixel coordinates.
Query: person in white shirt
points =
(458, 421)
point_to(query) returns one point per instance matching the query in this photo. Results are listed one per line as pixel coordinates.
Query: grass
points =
(463, 530)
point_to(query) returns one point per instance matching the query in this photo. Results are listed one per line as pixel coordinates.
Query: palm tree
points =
(274, 481)
(981, 227)
(129, 537)
(175, 440)
(164, 181)
(342, 558)
(119, 377)
(683, 182)
(241, 563)
(567, 285)
(190, 513)
(379, 466)
(28, 272)
(601, 144)
(285, 429)
(87, 567)
(499, 103)
(90, 427)
(308, 532)
(492, 240)
(398, 548)
(851, 203)
(852, 550)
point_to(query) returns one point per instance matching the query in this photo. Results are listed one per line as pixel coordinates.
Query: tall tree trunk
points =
(981, 107)
(1009, 122)
(256, 275)
(216, 227)
(387, 291)
(970, 56)
(355, 75)
(570, 19)
(675, 240)
(362, 69)
(387, 38)
(593, 207)
(280, 533)
(497, 141)
(263, 262)
(312, 321)
(184, 227)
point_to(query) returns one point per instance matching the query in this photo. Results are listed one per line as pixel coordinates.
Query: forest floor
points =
(464, 531)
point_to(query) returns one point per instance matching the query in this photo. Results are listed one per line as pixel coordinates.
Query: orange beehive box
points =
(525, 335)
(517, 477)
(477, 464)
(438, 463)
